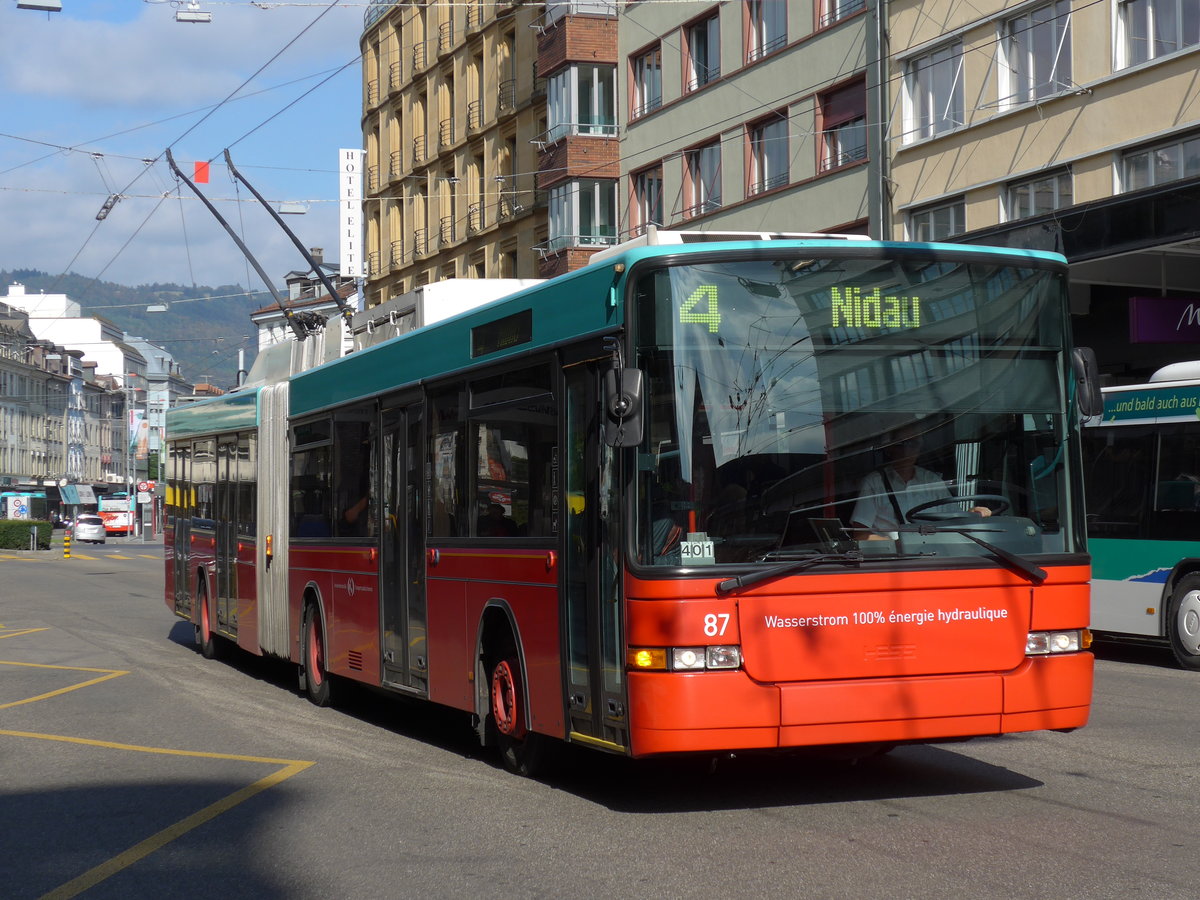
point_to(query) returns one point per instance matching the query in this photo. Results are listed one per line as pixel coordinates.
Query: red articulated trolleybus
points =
(706, 494)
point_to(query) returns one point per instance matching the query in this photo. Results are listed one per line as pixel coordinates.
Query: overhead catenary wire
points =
(210, 111)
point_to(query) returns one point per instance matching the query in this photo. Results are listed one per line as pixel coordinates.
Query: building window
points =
(580, 100)
(647, 199)
(844, 126)
(766, 27)
(703, 52)
(583, 213)
(1148, 29)
(646, 82)
(1043, 194)
(1160, 163)
(936, 223)
(836, 10)
(768, 154)
(702, 179)
(933, 93)
(1037, 52)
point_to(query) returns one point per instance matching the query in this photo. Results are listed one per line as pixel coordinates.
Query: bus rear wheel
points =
(317, 684)
(521, 750)
(1183, 621)
(205, 639)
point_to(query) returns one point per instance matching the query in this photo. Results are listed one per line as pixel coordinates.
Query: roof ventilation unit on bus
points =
(658, 237)
(1180, 371)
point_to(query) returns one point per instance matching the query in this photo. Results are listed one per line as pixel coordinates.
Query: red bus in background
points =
(663, 504)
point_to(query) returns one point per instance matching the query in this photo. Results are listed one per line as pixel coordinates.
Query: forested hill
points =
(203, 327)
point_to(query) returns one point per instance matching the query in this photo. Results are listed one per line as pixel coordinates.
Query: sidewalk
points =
(56, 546)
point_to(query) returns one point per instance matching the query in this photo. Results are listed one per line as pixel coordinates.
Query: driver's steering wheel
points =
(973, 499)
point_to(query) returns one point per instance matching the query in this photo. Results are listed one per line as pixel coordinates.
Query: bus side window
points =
(1177, 494)
(1120, 476)
(447, 435)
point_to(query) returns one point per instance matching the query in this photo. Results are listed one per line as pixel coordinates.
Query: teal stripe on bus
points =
(1136, 560)
(566, 308)
(229, 412)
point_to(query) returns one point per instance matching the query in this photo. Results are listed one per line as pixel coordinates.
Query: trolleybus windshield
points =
(782, 394)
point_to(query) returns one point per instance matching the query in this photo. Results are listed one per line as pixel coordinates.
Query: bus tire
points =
(521, 751)
(205, 639)
(317, 680)
(1183, 621)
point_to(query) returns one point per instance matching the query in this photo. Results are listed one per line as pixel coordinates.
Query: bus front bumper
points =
(716, 711)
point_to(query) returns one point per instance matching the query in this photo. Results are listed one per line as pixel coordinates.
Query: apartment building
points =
(453, 106)
(1068, 125)
(578, 153)
(59, 425)
(750, 116)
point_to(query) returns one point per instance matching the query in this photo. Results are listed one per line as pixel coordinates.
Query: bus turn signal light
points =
(646, 658)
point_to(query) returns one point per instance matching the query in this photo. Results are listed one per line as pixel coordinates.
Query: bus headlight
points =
(727, 657)
(1042, 643)
(687, 658)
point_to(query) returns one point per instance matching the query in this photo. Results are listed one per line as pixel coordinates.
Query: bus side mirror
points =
(1088, 398)
(623, 407)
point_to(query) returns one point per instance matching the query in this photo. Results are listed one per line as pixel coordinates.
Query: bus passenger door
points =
(402, 563)
(181, 510)
(225, 530)
(595, 677)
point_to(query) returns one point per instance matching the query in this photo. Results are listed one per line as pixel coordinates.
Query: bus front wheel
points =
(521, 750)
(317, 685)
(1183, 621)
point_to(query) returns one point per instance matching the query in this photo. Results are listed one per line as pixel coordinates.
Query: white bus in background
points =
(118, 517)
(1142, 480)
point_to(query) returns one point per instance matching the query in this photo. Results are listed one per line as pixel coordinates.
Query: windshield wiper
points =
(1019, 564)
(852, 558)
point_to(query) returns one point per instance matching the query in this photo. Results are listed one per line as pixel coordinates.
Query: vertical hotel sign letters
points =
(351, 218)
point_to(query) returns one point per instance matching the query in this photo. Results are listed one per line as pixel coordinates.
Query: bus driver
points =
(888, 494)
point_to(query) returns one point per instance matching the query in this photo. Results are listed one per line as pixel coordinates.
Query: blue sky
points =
(87, 95)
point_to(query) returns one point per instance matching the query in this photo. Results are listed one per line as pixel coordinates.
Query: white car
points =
(89, 528)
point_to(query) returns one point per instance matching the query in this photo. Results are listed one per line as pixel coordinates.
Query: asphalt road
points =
(131, 767)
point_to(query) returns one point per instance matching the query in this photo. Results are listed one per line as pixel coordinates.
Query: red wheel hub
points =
(506, 701)
(316, 655)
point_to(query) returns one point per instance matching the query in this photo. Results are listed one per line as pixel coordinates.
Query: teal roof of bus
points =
(567, 307)
(229, 412)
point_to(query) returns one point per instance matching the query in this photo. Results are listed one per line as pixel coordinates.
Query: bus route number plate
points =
(697, 549)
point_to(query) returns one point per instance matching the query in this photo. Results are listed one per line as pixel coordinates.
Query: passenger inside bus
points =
(496, 523)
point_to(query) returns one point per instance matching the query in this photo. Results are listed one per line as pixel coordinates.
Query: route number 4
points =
(712, 318)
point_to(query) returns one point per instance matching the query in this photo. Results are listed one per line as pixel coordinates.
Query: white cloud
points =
(130, 82)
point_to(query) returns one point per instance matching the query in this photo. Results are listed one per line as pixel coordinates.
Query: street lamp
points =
(131, 435)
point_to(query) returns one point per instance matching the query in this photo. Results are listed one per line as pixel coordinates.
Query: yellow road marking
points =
(4, 628)
(108, 675)
(118, 556)
(142, 849)
(149, 556)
